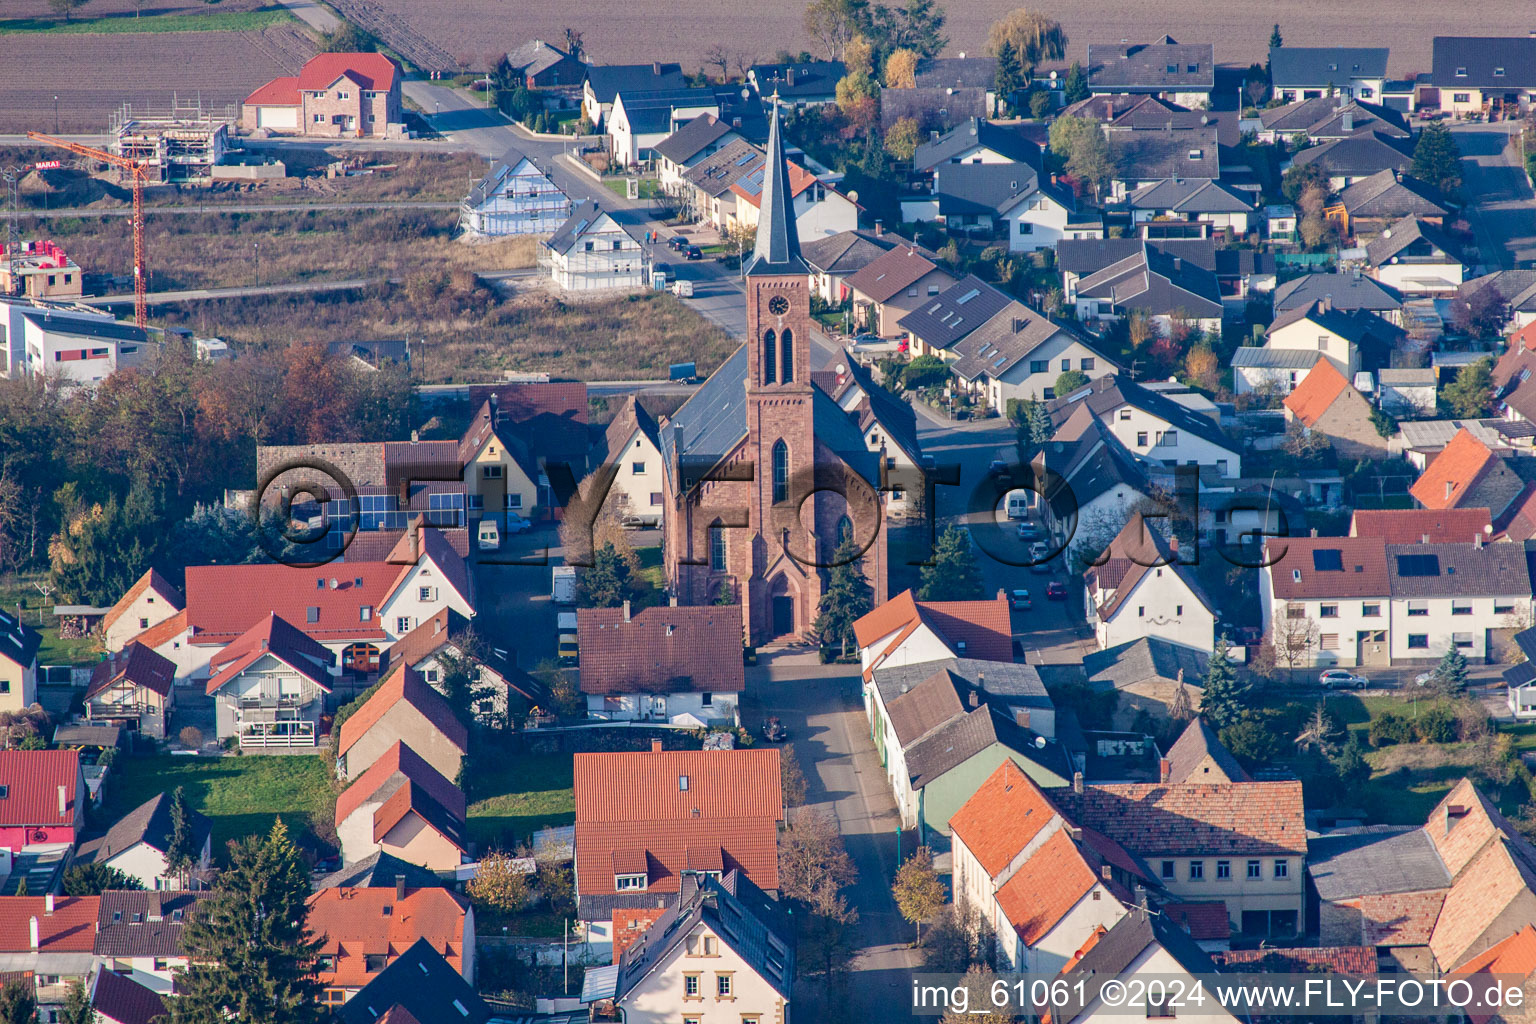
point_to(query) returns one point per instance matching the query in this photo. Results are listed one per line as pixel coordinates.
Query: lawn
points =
(55, 650)
(517, 796)
(243, 795)
(650, 188)
(213, 21)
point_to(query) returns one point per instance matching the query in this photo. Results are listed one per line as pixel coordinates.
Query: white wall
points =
(405, 609)
(1162, 605)
(1155, 963)
(1421, 277)
(148, 609)
(1128, 424)
(631, 707)
(634, 489)
(1252, 378)
(658, 998)
(1021, 380)
(1306, 336)
(1039, 222)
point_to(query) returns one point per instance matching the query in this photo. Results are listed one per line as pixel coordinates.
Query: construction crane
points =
(136, 167)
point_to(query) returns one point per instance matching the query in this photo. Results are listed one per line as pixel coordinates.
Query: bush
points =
(925, 372)
(191, 737)
(1435, 725)
(1390, 729)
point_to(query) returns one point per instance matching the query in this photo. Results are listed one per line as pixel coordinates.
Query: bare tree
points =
(1294, 639)
(717, 56)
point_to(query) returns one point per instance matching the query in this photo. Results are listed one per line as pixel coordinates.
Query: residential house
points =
(629, 461)
(138, 842)
(801, 84)
(978, 141)
(1373, 204)
(1152, 425)
(1019, 352)
(118, 999)
(403, 807)
(1520, 679)
(1197, 756)
(1350, 339)
(150, 601)
(138, 935)
(132, 688)
(1327, 404)
(505, 460)
(835, 258)
(1470, 74)
(41, 269)
(403, 709)
(1327, 120)
(671, 664)
(591, 250)
(1513, 958)
(906, 631)
(1193, 201)
(1140, 588)
(693, 142)
(1241, 842)
(1467, 473)
(19, 644)
(72, 345)
(1148, 674)
(1515, 400)
(961, 73)
(604, 82)
(1408, 393)
(934, 108)
(1089, 476)
(894, 285)
(1364, 601)
(502, 688)
(645, 818)
(378, 871)
(705, 188)
(723, 951)
(942, 727)
(1421, 525)
(1181, 73)
(269, 686)
(52, 939)
(1356, 157)
(1346, 292)
(363, 931)
(1108, 279)
(1039, 885)
(516, 197)
(1273, 371)
(997, 200)
(417, 986)
(1144, 157)
(935, 326)
(1515, 289)
(642, 118)
(889, 425)
(541, 65)
(1308, 72)
(43, 801)
(1414, 256)
(819, 208)
(334, 96)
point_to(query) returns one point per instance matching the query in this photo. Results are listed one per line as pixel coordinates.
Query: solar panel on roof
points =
(1328, 560)
(1418, 565)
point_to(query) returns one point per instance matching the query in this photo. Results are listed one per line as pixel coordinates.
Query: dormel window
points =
(629, 883)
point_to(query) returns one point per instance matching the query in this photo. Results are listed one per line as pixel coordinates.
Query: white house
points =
(1308, 72)
(138, 935)
(1414, 256)
(270, 686)
(641, 119)
(977, 141)
(150, 601)
(1019, 352)
(70, 344)
(516, 197)
(591, 250)
(889, 426)
(1141, 589)
(1153, 426)
(1276, 370)
(1007, 199)
(1320, 329)
(1145, 952)
(630, 458)
(905, 631)
(1193, 200)
(820, 209)
(691, 143)
(137, 844)
(674, 664)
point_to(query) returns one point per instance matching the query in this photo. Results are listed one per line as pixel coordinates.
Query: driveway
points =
(1503, 208)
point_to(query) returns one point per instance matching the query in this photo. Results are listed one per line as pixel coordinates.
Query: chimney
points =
(1423, 538)
(655, 746)
(1178, 264)
(1349, 120)
(63, 800)
(789, 76)
(1021, 717)
(1104, 872)
(1077, 783)
(415, 437)
(32, 932)
(973, 699)
(1477, 541)
(1164, 770)
(981, 683)
(656, 68)
(48, 905)
(677, 436)
(880, 231)
(399, 887)
(1328, 303)
(626, 611)
(672, 601)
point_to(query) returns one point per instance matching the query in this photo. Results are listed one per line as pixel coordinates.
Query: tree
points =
(103, 546)
(717, 56)
(345, 38)
(96, 878)
(1470, 395)
(1080, 142)
(250, 953)
(926, 371)
(1294, 639)
(1487, 313)
(1032, 36)
(902, 138)
(1252, 741)
(1299, 178)
(1039, 104)
(1350, 764)
(1222, 702)
(954, 574)
(833, 23)
(1256, 84)
(77, 1005)
(978, 1006)
(18, 1003)
(1009, 80)
(64, 8)
(574, 44)
(1037, 422)
(568, 701)
(846, 599)
(1182, 710)
(1450, 676)
(1321, 733)
(1202, 367)
(1069, 381)
(791, 777)
(1436, 158)
(181, 852)
(1075, 87)
(607, 582)
(919, 893)
(919, 26)
(1275, 42)
(500, 883)
(814, 868)
(1304, 443)
(901, 70)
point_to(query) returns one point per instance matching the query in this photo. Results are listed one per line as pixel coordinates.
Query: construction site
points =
(39, 270)
(178, 145)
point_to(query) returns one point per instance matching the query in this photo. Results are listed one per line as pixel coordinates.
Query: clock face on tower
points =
(778, 305)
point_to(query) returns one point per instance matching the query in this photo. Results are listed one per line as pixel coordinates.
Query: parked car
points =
(1030, 530)
(633, 523)
(1055, 591)
(774, 731)
(569, 652)
(517, 524)
(1019, 599)
(666, 270)
(1038, 551)
(489, 537)
(677, 243)
(683, 289)
(1342, 679)
(693, 252)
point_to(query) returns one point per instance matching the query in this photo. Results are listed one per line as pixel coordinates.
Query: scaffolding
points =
(179, 144)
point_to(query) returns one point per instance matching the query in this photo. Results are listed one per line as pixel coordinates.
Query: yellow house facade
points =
(18, 663)
(499, 475)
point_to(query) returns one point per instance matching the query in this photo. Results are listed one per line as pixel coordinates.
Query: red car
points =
(1055, 591)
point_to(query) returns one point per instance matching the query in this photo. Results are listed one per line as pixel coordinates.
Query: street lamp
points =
(55, 114)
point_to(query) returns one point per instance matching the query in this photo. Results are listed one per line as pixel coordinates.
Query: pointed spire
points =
(778, 242)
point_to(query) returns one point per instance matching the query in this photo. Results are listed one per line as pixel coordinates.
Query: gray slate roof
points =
(957, 72)
(1167, 65)
(1008, 337)
(608, 80)
(777, 250)
(1118, 948)
(895, 416)
(131, 924)
(799, 81)
(1474, 62)
(1347, 291)
(962, 738)
(1085, 256)
(148, 823)
(83, 327)
(422, 982)
(932, 107)
(1148, 154)
(18, 641)
(847, 251)
(1322, 66)
(1407, 232)
(1006, 682)
(971, 189)
(1390, 194)
(1457, 570)
(1324, 117)
(1375, 864)
(1189, 195)
(1516, 287)
(1357, 156)
(1005, 140)
(1157, 283)
(1140, 660)
(583, 216)
(951, 315)
(1197, 742)
(683, 144)
(508, 163)
(1264, 357)
(1110, 392)
(716, 173)
(535, 56)
(378, 871)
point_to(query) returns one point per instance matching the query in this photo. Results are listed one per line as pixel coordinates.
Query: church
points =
(765, 473)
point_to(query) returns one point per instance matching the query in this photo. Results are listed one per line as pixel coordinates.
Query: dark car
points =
(774, 731)
(693, 252)
(1055, 591)
(677, 242)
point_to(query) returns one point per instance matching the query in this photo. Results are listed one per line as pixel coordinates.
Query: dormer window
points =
(629, 883)
(1498, 72)
(1461, 72)
(1173, 69)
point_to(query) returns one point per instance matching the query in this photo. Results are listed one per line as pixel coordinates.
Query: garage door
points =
(277, 117)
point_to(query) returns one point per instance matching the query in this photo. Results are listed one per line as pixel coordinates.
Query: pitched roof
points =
(1147, 154)
(1143, 659)
(1480, 62)
(969, 189)
(1046, 888)
(777, 247)
(1166, 65)
(1325, 117)
(136, 665)
(412, 799)
(976, 629)
(847, 252)
(535, 55)
(1406, 232)
(716, 173)
(1358, 326)
(1157, 282)
(422, 983)
(71, 928)
(957, 72)
(19, 642)
(1005, 140)
(1351, 865)
(1314, 567)
(798, 80)
(1136, 550)
(1153, 819)
(225, 601)
(1298, 66)
(1357, 156)
(878, 406)
(32, 781)
(1451, 474)
(608, 80)
(368, 70)
(584, 215)
(1317, 392)
(119, 998)
(1008, 337)
(396, 767)
(1343, 291)
(661, 650)
(378, 870)
(952, 314)
(1492, 865)
(1111, 953)
(1516, 955)
(1189, 195)
(150, 824)
(144, 923)
(1197, 742)
(1205, 920)
(404, 684)
(151, 581)
(1300, 959)
(1412, 525)
(1457, 570)
(889, 275)
(1002, 817)
(271, 637)
(282, 91)
(1111, 391)
(691, 139)
(351, 922)
(1390, 194)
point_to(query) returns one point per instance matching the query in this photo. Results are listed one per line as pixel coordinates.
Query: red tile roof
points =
(280, 92)
(1515, 955)
(71, 928)
(1298, 960)
(983, 627)
(31, 780)
(1295, 574)
(1195, 818)
(1411, 525)
(1206, 920)
(661, 650)
(410, 767)
(283, 641)
(677, 809)
(120, 999)
(1050, 883)
(223, 601)
(150, 580)
(1002, 817)
(1399, 918)
(352, 922)
(1453, 472)
(163, 633)
(137, 665)
(1316, 393)
(404, 683)
(369, 70)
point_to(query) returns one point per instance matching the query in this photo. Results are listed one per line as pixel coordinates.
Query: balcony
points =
(103, 709)
(270, 703)
(277, 734)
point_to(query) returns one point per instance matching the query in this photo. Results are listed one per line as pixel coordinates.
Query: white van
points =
(565, 622)
(489, 536)
(1018, 504)
(683, 289)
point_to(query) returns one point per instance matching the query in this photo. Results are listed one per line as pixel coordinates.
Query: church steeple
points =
(778, 241)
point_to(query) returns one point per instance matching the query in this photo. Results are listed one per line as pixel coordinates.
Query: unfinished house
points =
(179, 146)
(40, 270)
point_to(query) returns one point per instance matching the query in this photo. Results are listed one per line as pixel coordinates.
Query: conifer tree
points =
(845, 600)
(1222, 702)
(954, 574)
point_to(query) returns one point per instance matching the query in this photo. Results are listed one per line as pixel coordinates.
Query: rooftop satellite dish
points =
(746, 94)
(841, 369)
(853, 196)
(1039, 742)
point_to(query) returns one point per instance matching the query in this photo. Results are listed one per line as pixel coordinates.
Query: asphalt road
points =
(1503, 210)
